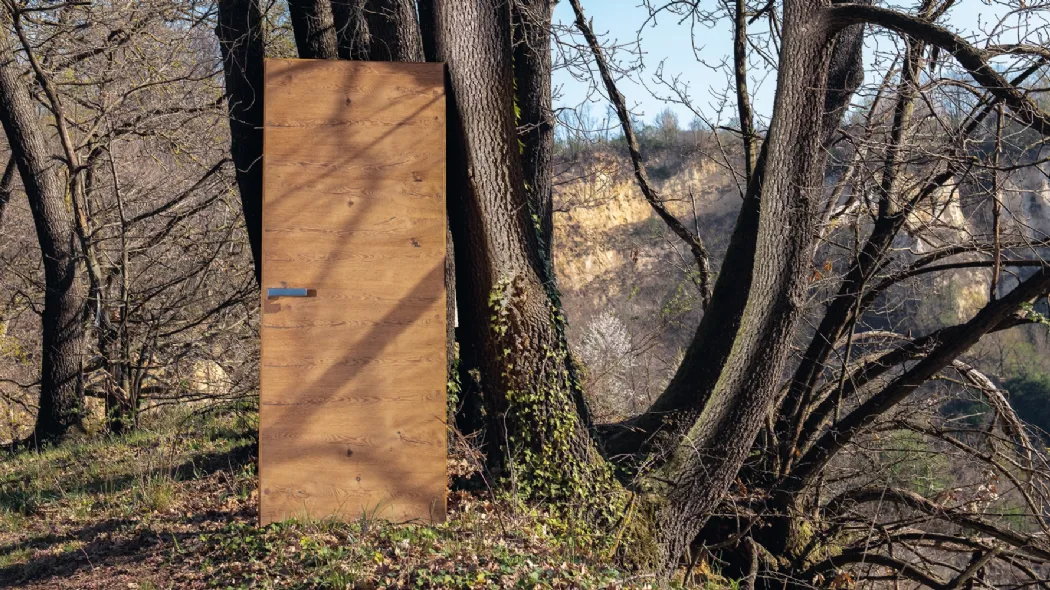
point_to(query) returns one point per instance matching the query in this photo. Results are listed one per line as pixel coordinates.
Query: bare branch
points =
(651, 195)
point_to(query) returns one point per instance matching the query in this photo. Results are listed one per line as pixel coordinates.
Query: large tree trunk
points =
(241, 42)
(394, 31)
(708, 458)
(351, 29)
(314, 28)
(510, 327)
(532, 77)
(61, 386)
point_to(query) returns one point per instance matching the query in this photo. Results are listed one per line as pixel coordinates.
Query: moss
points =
(638, 544)
(798, 540)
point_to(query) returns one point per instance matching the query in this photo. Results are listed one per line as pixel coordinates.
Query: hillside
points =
(175, 506)
(628, 282)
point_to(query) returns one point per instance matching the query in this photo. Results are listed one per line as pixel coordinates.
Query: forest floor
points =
(173, 505)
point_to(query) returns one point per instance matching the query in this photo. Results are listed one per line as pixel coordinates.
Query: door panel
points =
(352, 399)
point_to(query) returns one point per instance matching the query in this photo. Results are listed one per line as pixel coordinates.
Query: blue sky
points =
(668, 42)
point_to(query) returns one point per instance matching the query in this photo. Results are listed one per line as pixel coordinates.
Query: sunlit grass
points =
(111, 476)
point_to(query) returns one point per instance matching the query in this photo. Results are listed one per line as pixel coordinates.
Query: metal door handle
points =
(284, 292)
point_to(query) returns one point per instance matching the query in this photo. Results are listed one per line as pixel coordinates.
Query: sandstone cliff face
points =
(962, 215)
(627, 281)
(1027, 197)
(604, 226)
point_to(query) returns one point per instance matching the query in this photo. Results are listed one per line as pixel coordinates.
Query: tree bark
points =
(314, 28)
(241, 41)
(509, 323)
(532, 76)
(394, 31)
(61, 386)
(351, 29)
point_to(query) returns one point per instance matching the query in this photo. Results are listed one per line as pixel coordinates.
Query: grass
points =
(155, 494)
(15, 556)
(174, 506)
(76, 514)
(110, 477)
(469, 551)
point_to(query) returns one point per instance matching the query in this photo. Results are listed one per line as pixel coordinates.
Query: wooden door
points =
(352, 415)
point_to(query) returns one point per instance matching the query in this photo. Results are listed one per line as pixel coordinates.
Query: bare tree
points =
(126, 93)
(61, 404)
(745, 427)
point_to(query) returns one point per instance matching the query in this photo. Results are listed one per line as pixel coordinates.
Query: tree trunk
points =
(351, 29)
(510, 326)
(61, 385)
(314, 28)
(7, 184)
(394, 31)
(532, 76)
(241, 42)
(684, 400)
(704, 464)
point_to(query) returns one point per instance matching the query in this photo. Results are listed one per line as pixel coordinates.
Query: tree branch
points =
(946, 347)
(694, 242)
(1028, 544)
(743, 99)
(862, 556)
(973, 59)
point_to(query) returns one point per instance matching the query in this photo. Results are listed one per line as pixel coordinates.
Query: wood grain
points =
(352, 416)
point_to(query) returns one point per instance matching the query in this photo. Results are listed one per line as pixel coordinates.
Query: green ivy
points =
(543, 456)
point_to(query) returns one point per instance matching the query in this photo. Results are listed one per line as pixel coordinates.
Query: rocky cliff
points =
(628, 282)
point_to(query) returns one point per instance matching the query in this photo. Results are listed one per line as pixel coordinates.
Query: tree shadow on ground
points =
(105, 545)
(13, 497)
(132, 545)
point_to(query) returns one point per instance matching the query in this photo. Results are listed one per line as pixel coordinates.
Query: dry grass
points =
(174, 506)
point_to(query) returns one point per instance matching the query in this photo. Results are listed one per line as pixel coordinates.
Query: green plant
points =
(1030, 398)
(14, 556)
(914, 463)
(155, 493)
